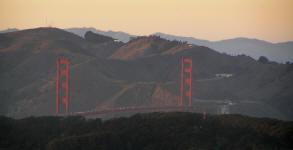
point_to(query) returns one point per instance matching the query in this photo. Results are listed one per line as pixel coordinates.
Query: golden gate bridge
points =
(62, 94)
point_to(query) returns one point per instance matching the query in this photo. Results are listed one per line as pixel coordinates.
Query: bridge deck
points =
(134, 109)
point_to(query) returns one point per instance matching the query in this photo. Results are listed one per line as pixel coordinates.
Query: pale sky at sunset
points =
(270, 20)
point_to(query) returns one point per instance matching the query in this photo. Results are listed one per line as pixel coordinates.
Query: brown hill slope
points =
(142, 72)
(148, 46)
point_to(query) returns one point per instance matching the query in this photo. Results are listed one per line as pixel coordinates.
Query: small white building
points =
(224, 75)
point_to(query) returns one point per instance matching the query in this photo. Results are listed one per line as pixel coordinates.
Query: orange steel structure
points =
(186, 79)
(61, 84)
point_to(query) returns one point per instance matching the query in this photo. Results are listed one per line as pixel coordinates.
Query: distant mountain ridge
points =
(9, 30)
(278, 52)
(122, 36)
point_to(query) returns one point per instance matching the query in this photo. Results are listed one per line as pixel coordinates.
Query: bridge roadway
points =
(134, 109)
(96, 112)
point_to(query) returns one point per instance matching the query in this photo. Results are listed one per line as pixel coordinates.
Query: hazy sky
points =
(270, 20)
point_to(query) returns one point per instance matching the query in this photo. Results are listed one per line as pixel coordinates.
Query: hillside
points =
(28, 68)
(142, 72)
(170, 131)
(148, 46)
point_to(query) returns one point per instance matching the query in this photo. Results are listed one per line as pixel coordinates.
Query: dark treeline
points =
(182, 131)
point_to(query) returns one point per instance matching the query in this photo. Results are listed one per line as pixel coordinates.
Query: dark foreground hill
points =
(166, 131)
(142, 72)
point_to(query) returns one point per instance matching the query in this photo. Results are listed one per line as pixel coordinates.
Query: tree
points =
(263, 59)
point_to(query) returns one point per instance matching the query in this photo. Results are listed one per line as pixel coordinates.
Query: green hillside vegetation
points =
(167, 131)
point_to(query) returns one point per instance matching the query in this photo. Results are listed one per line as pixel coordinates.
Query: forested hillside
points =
(166, 131)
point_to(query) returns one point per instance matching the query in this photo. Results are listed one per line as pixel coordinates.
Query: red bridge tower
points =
(62, 83)
(186, 75)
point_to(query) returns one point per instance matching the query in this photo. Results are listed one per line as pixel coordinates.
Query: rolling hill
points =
(278, 52)
(141, 72)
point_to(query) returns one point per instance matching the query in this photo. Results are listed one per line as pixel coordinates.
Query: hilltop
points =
(122, 36)
(255, 48)
(148, 46)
